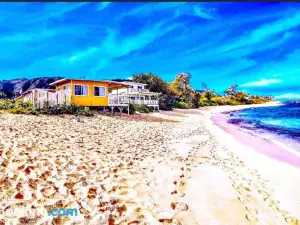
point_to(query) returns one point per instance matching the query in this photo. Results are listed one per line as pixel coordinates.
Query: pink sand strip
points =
(260, 145)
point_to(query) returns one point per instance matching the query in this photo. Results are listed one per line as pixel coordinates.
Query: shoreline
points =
(271, 148)
(283, 179)
(271, 185)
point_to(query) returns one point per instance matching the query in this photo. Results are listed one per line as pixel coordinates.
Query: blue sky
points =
(255, 45)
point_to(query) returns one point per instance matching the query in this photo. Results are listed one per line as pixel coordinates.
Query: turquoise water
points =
(286, 123)
(283, 122)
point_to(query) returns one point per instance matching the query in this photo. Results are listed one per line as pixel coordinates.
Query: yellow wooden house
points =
(89, 93)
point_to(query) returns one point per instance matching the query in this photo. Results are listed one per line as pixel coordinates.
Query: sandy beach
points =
(171, 168)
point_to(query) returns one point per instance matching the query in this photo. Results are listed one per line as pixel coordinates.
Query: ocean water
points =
(279, 123)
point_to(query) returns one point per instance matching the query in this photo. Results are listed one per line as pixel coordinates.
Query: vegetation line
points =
(177, 94)
(180, 94)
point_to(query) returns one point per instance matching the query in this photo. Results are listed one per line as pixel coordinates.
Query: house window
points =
(81, 90)
(99, 91)
(41, 94)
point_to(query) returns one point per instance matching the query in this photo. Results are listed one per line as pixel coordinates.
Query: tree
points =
(184, 79)
(231, 90)
(209, 95)
(241, 97)
(196, 100)
(181, 87)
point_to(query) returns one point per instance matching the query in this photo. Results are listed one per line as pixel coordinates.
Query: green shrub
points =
(85, 112)
(181, 105)
(257, 100)
(165, 102)
(204, 102)
(18, 107)
(234, 102)
(219, 100)
(20, 110)
(21, 107)
(141, 108)
(6, 104)
(35, 112)
(196, 100)
(52, 110)
(131, 109)
(71, 109)
(25, 105)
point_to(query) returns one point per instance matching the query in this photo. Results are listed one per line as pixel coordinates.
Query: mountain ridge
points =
(14, 87)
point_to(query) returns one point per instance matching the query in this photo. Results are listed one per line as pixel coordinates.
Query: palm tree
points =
(231, 90)
(209, 94)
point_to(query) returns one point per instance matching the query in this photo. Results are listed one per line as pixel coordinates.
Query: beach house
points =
(37, 96)
(138, 94)
(101, 93)
(90, 93)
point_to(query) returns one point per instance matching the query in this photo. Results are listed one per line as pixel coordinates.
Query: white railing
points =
(144, 102)
(57, 98)
(52, 99)
(114, 99)
(63, 96)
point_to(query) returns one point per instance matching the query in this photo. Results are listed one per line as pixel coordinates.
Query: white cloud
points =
(262, 82)
(198, 11)
(73, 58)
(288, 96)
(103, 5)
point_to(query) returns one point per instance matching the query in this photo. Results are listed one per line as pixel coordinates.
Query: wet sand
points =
(117, 171)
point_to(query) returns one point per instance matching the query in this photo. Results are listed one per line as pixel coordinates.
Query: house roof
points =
(133, 83)
(112, 84)
(26, 92)
(58, 82)
(21, 96)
